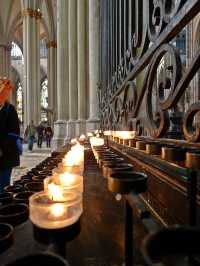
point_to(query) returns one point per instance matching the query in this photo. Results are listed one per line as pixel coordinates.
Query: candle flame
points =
(125, 134)
(94, 141)
(90, 134)
(82, 137)
(57, 210)
(107, 133)
(75, 156)
(73, 141)
(55, 192)
(67, 179)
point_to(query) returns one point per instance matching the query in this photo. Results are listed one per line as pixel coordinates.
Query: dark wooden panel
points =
(167, 188)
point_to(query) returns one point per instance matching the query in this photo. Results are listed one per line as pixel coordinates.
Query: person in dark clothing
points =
(30, 133)
(40, 134)
(9, 132)
(49, 135)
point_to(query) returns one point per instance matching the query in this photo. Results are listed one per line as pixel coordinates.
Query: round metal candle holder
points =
(18, 182)
(153, 148)
(47, 259)
(99, 148)
(34, 186)
(100, 154)
(116, 139)
(14, 188)
(123, 167)
(34, 171)
(27, 176)
(22, 197)
(125, 182)
(6, 236)
(192, 160)
(14, 213)
(111, 163)
(171, 245)
(107, 159)
(132, 143)
(174, 154)
(38, 173)
(39, 178)
(62, 235)
(141, 145)
(103, 154)
(6, 198)
(25, 181)
(100, 151)
(44, 173)
(121, 141)
(125, 142)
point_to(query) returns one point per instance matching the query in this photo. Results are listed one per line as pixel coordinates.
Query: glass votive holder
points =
(67, 181)
(75, 169)
(49, 214)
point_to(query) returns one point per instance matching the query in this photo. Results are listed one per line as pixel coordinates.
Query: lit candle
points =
(55, 192)
(73, 158)
(94, 141)
(125, 135)
(67, 179)
(82, 138)
(55, 214)
(90, 134)
(107, 133)
(73, 141)
(63, 182)
(57, 210)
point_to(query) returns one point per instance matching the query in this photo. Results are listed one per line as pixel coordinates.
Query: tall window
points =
(44, 100)
(16, 52)
(20, 101)
(43, 49)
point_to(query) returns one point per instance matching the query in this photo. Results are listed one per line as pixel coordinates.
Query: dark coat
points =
(9, 123)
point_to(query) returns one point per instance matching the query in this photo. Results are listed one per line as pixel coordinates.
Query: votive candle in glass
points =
(55, 213)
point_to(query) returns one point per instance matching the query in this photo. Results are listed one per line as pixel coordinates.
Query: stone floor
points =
(29, 160)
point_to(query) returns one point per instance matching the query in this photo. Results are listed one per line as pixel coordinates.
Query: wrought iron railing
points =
(141, 36)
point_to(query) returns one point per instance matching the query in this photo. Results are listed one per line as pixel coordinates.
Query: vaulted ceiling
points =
(11, 21)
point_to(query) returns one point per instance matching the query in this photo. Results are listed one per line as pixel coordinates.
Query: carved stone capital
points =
(33, 13)
(51, 44)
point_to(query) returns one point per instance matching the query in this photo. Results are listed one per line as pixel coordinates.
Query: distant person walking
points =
(40, 134)
(30, 134)
(48, 135)
(9, 135)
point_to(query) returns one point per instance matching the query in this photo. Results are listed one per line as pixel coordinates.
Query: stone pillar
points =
(73, 88)
(31, 29)
(5, 60)
(60, 126)
(82, 69)
(52, 97)
(94, 62)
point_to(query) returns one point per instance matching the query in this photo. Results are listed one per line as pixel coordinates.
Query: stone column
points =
(52, 97)
(94, 62)
(82, 69)
(60, 126)
(73, 88)
(5, 60)
(31, 29)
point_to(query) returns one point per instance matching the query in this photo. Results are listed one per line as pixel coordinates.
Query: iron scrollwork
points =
(150, 43)
(160, 124)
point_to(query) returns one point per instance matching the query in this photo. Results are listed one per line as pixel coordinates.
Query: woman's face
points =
(4, 95)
